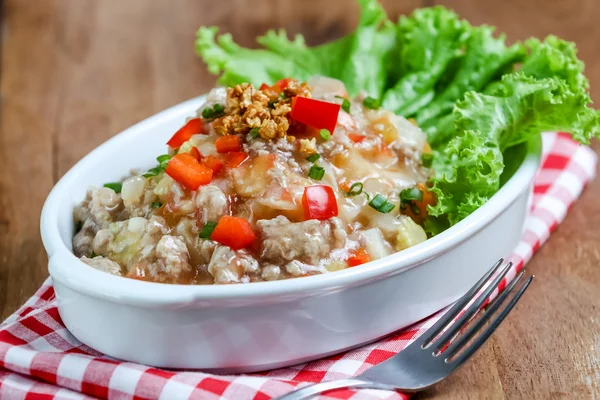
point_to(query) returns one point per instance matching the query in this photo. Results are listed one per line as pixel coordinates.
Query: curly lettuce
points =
(486, 57)
(468, 167)
(430, 40)
(362, 60)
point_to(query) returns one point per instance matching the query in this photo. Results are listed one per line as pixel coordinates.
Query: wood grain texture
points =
(75, 72)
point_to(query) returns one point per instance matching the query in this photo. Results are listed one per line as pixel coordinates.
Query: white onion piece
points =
(411, 135)
(373, 241)
(326, 88)
(132, 190)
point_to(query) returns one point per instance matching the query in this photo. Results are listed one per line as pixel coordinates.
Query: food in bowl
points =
(263, 184)
(275, 178)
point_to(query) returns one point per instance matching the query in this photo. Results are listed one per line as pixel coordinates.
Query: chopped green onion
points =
(325, 134)
(207, 229)
(116, 186)
(314, 157)
(368, 196)
(411, 194)
(387, 207)
(93, 255)
(283, 96)
(253, 134)
(345, 104)
(163, 160)
(427, 160)
(381, 204)
(371, 103)
(355, 189)
(217, 111)
(415, 209)
(316, 172)
(153, 172)
(156, 204)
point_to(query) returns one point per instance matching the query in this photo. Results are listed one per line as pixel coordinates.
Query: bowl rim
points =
(67, 269)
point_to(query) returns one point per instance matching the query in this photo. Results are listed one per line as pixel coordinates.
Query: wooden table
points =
(75, 72)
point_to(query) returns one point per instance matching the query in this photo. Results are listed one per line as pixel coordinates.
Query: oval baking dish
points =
(263, 325)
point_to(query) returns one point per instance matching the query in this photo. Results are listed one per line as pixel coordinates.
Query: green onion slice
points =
(411, 194)
(415, 209)
(314, 157)
(355, 189)
(381, 204)
(325, 134)
(217, 111)
(208, 229)
(153, 172)
(345, 104)
(253, 134)
(371, 103)
(427, 160)
(316, 172)
(156, 204)
(116, 186)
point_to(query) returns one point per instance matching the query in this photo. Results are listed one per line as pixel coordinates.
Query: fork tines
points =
(444, 338)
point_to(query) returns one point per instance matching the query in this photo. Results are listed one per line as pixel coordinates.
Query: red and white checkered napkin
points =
(39, 359)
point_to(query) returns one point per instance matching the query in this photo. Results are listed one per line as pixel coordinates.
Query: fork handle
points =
(311, 390)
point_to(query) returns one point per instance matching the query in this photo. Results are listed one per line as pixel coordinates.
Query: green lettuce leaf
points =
(486, 57)
(361, 60)
(237, 64)
(469, 166)
(429, 41)
(552, 58)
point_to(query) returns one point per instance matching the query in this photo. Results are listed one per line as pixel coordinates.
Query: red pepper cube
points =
(192, 127)
(315, 113)
(213, 163)
(196, 154)
(356, 138)
(235, 159)
(227, 144)
(319, 202)
(283, 83)
(234, 232)
(358, 257)
(186, 170)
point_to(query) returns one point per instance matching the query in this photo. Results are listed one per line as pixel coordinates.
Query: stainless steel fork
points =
(441, 349)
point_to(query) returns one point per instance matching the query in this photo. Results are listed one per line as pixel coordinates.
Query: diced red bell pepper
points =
(213, 163)
(196, 154)
(185, 169)
(227, 144)
(283, 83)
(192, 127)
(234, 232)
(356, 138)
(235, 159)
(316, 113)
(358, 257)
(278, 87)
(319, 202)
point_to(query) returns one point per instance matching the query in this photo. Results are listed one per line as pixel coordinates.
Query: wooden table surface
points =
(75, 72)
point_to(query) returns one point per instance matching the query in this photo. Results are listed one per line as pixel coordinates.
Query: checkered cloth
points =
(40, 359)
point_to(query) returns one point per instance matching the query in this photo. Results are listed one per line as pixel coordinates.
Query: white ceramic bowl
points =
(235, 328)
